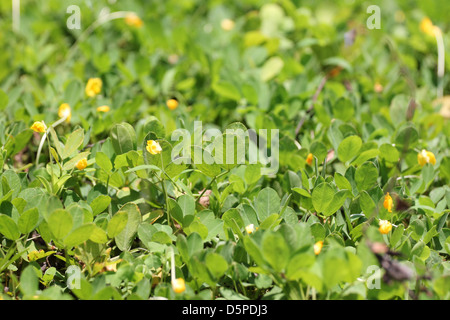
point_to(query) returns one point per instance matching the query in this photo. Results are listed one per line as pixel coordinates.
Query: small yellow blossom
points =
(318, 247)
(82, 164)
(178, 285)
(65, 112)
(39, 126)
(133, 20)
(309, 159)
(93, 87)
(388, 202)
(250, 228)
(385, 226)
(172, 104)
(425, 157)
(103, 109)
(227, 24)
(153, 147)
(427, 27)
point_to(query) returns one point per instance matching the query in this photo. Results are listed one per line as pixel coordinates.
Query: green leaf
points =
(197, 227)
(267, 202)
(123, 138)
(216, 264)
(187, 204)
(252, 173)
(117, 223)
(29, 281)
(364, 156)
(336, 203)
(389, 153)
(341, 182)
(343, 109)
(407, 137)
(98, 235)
(270, 221)
(9, 228)
(318, 232)
(366, 176)
(275, 250)
(298, 265)
(271, 68)
(143, 167)
(397, 235)
(84, 291)
(60, 223)
(301, 191)
(79, 235)
(126, 236)
(155, 126)
(103, 161)
(207, 165)
(226, 90)
(73, 92)
(100, 204)
(319, 150)
(28, 220)
(3, 100)
(161, 237)
(233, 215)
(175, 211)
(349, 148)
(366, 203)
(322, 196)
(254, 251)
(430, 234)
(73, 142)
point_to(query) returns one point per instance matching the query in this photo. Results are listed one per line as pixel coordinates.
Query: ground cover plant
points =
(116, 180)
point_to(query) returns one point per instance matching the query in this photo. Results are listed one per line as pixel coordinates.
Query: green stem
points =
(169, 218)
(45, 135)
(210, 183)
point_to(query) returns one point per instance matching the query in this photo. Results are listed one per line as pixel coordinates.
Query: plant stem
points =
(169, 218)
(210, 183)
(44, 137)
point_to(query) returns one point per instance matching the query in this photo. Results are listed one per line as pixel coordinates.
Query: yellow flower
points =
(172, 104)
(250, 228)
(133, 20)
(65, 112)
(93, 87)
(425, 157)
(82, 164)
(227, 24)
(388, 202)
(103, 109)
(385, 226)
(318, 247)
(178, 285)
(428, 28)
(309, 159)
(153, 147)
(39, 126)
